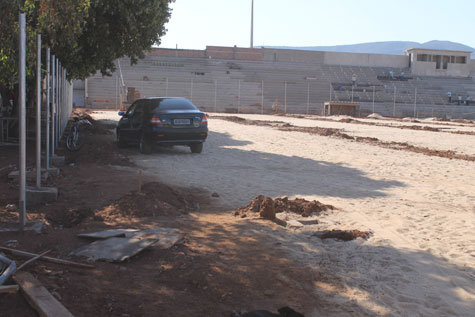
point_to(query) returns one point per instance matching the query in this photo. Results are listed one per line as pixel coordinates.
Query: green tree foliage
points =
(115, 29)
(86, 35)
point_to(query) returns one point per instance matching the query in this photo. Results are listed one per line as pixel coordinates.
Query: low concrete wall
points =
(422, 111)
(367, 60)
(277, 55)
(240, 53)
(176, 53)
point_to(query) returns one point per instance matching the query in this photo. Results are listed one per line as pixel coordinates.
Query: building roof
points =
(431, 50)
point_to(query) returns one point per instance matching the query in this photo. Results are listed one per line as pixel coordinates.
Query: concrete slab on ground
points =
(114, 249)
(36, 226)
(107, 233)
(167, 237)
(58, 161)
(35, 195)
(30, 175)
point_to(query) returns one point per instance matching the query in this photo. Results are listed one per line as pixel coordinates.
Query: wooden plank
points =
(39, 297)
(9, 288)
(32, 260)
(46, 258)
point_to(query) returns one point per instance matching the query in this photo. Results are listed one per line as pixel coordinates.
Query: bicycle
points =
(75, 140)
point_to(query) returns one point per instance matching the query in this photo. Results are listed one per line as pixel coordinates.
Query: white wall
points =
(368, 60)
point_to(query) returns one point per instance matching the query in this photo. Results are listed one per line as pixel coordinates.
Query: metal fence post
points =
(239, 95)
(373, 97)
(262, 98)
(22, 118)
(38, 110)
(415, 102)
(191, 90)
(285, 97)
(394, 102)
(117, 92)
(308, 96)
(166, 87)
(352, 89)
(48, 92)
(330, 92)
(53, 105)
(215, 95)
(58, 96)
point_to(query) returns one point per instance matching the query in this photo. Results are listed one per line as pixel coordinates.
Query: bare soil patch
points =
(202, 276)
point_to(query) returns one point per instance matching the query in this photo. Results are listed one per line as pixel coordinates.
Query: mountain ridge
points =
(388, 47)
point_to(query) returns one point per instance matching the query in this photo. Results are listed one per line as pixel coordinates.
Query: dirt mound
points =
(155, 199)
(344, 235)
(68, 217)
(99, 149)
(99, 146)
(240, 120)
(268, 207)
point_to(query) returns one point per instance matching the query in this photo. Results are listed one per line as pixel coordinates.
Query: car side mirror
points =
(121, 113)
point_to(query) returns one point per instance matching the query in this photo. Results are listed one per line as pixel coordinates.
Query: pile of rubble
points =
(266, 207)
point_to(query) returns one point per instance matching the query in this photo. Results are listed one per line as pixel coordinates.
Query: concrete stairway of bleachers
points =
(298, 86)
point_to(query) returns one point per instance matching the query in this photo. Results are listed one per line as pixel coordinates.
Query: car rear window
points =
(171, 104)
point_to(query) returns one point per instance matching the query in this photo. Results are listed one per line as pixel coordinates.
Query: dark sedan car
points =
(163, 121)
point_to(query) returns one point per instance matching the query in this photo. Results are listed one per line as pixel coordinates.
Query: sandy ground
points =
(421, 209)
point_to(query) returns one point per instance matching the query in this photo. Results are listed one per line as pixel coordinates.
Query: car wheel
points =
(144, 145)
(196, 147)
(120, 139)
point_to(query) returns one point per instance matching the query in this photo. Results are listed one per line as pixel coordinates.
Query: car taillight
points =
(155, 121)
(204, 120)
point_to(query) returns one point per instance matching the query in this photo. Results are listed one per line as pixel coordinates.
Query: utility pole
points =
(252, 24)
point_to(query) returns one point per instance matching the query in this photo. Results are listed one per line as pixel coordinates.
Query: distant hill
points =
(392, 47)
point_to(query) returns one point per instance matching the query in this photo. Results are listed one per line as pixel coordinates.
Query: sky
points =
(194, 24)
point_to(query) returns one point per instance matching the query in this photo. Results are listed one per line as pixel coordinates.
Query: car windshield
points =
(172, 104)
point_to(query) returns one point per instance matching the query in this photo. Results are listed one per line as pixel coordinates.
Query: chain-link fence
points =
(293, 96)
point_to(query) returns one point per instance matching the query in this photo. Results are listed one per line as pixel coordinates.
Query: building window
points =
(445, 61)
(460, 60)
(423, 58)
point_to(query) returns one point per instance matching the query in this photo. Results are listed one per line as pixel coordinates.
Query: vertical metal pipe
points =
(374, 90)
(262, 99)
(239, 95)
(60, 100)
(191, 90)
(166, 87)
(308, 96)
(352, 88)
(53, 105)
(38, 110)
(252, 24)
(394, 102)
(48, 93)
(415, 102)
(57, 105)
(215, 95)
(117, 92)
(330, 92)
(285, 97)
(22, 118)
